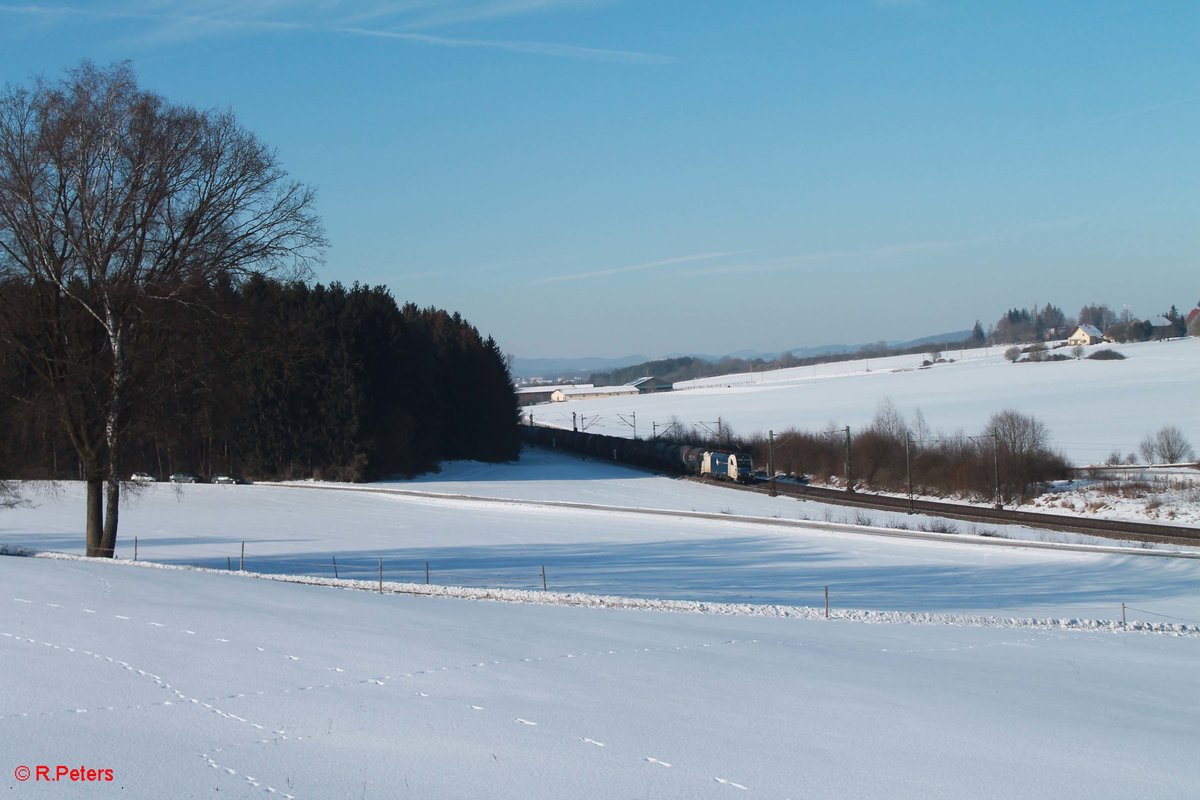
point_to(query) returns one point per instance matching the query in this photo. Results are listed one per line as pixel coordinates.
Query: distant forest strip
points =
(268, 379)
(686, 368)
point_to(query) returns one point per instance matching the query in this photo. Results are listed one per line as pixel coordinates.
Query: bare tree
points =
(10, 495)
(1148, 448)
(1167, 446)
(1021, 446)
(113, 200)
(1012, 354)
(888, 420)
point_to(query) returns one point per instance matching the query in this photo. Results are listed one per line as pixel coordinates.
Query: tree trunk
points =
(112, 505)
(95, 516)
(112, 437)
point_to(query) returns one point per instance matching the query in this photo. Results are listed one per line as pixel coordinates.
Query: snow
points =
(1162, 494)
(682, 650)
(186, 684)
(603, 529)
(1091, 407)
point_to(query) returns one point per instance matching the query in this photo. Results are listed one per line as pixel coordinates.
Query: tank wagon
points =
(681, 459)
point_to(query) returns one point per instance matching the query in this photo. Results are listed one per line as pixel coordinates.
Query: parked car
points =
(185, 477)
(142, 477)
(228, 480)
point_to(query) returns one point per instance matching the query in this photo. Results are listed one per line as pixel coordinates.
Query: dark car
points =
(185, 477)
(228, 480)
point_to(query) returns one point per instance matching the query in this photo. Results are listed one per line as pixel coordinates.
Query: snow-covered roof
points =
(551, 387)
(586, 391)
(1091, 330)
(1160, 322)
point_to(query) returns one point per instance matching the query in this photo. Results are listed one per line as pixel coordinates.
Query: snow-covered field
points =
(190, 685)
(949, 668)
(1091, 407)
(601, 528)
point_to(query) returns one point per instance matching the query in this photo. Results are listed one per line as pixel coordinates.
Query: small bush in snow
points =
(1106, 355)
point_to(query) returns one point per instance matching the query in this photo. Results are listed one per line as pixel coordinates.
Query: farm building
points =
(532, 395)
(1085, 334)
(650, 385)
(563, 393)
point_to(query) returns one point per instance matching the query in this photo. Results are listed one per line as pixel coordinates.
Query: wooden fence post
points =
(242, 563)
(426, 573)
(826, 602)
(544, 578)
(135, 548)
(381, 576)
(335, 572)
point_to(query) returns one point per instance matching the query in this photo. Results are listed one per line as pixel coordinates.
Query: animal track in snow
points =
(526, 722)
(586, 740)
(730, 783)
(656, 761)
(250, 780)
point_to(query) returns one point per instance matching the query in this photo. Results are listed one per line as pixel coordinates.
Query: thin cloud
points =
(440, 14)
(170, 25)
(886, 251)
(600, 273)
(785, 262)
(1137, 112)
(528, 47)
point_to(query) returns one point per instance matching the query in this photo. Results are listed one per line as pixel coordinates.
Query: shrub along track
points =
(1106, 528)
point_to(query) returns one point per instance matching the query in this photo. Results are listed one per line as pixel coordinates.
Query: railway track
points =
(676, 458)
(1106, 528)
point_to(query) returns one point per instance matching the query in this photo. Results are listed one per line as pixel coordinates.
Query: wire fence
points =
(531, 576)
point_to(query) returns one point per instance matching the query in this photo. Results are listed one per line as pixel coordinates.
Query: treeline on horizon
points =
(1019, 325)
(277, 380)
(685, 368)
(1016, 325)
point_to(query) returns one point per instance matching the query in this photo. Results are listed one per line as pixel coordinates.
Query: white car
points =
(143, 477)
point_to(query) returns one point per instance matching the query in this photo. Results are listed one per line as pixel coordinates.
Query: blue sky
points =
(580, 177)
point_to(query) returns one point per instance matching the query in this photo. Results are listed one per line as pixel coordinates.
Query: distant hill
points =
(554, 368)
(683, 368)
(583, 368)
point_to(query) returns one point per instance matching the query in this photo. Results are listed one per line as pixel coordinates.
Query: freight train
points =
(655, 454)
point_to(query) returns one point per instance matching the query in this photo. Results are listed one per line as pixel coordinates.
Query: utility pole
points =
(631, 422)
(574, 423)
(908, 468)
(849, 482)
(996, 467)
(771, 462)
